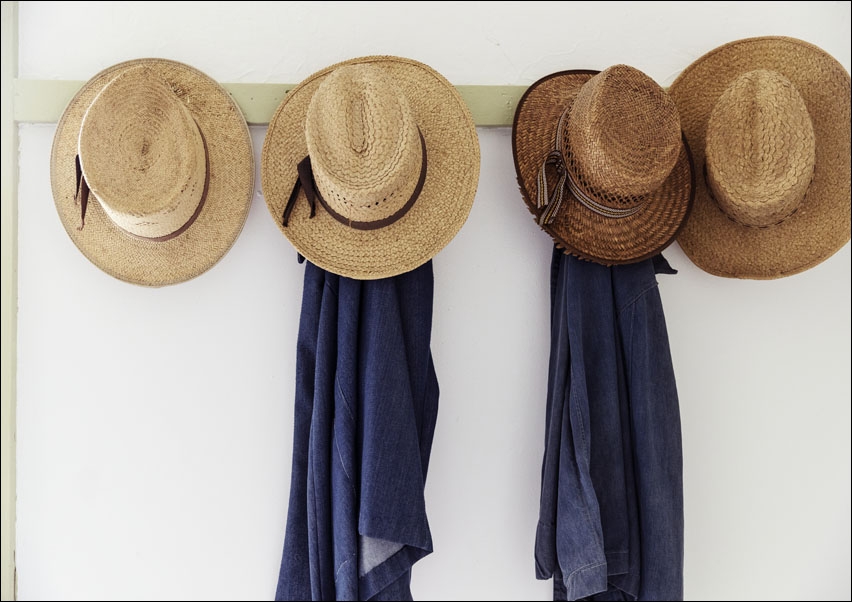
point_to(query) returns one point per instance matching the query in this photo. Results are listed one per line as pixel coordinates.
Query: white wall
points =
(175, 487)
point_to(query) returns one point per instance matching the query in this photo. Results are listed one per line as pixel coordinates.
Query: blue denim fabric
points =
(366, 404)
(611, 515)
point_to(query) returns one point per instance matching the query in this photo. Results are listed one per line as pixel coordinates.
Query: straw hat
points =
(768, 120)
(602, 164)
(152, 171)
(388, 149)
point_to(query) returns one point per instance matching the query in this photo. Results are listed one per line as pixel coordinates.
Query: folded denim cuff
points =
(569, 583)
(586, 581)
(378, 578)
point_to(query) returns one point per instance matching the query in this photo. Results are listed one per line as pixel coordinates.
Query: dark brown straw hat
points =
(602, 163)
(769, 122)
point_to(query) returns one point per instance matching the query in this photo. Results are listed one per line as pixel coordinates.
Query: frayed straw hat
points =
(602, 164)
(152, 171)
(768, 120)
(388, 149)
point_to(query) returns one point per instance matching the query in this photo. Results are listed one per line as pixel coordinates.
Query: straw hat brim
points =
(821, 225)
(229, 193)
(436, 216)
(575, 228)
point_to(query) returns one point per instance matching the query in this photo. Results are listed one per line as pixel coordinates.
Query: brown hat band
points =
(306, 181)
(81, 197)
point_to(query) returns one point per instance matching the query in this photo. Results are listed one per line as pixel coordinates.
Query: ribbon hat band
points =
(306, 182)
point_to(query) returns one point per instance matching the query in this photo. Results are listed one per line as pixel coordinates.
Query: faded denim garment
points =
(366, 404)
(611, 515)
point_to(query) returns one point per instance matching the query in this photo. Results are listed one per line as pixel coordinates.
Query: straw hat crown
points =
(364, 144)
(143, 155)
(623, 137)
(760, 149)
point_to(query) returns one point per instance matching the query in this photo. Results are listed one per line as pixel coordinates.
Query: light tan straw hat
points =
(152, 171)
(370, 166)
(602, 164)
(768, 120)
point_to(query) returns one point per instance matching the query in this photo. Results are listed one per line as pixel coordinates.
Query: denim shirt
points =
(365, 410)
(611, 512)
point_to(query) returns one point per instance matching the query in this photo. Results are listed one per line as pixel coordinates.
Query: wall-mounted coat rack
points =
(42, 101)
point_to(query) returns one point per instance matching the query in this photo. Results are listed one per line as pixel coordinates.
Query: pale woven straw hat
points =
(370, 166)
(152, 171)
(768, 120)
(602, 164)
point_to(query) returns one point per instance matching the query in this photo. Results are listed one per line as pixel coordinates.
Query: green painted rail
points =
(43, 100)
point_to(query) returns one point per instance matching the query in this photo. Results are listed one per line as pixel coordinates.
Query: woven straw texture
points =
(363, 142)
(142, 154)
(761, 159)
(623, 146)
(230, 174)
(435, 217)
(623, 136)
